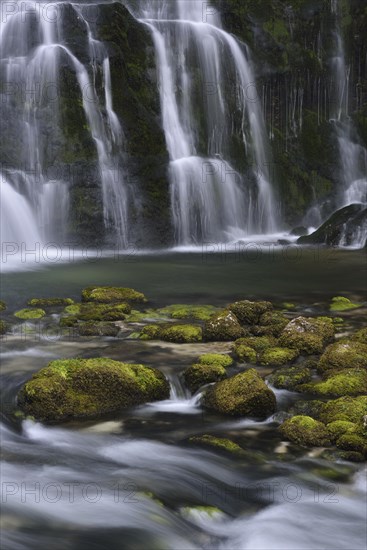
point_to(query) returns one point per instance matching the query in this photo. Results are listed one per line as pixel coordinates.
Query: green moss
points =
(278, 356)
(30, 313)
(50, 302)
(2, 305)
(306, 431)
(181, 311)
(215, 359)
(349, 382)
(245, 394)
(342, 355)
(69, 388)
(307, 335)
(340, 303)
(150, 332)
(270, 323)
(217, 442)
(3, 327)
(68, 321)
(99, 312)
(92, 328)
(289, 306)
(351, 409)
(245, 353)
(352, 442)
(340, 427)
(258, 343)
(198, 375)
(222, 327)
(181, 334)
(360, 336)
(107, 294)
(249, 313)
(290, 378)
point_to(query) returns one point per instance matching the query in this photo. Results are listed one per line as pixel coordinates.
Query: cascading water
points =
(34, 49)
(210, 200)
(353, 156)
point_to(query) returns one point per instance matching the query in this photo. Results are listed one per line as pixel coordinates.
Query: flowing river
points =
(133, 480)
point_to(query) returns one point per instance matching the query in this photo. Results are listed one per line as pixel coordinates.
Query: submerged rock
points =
(245, 394)
(222, 327)
(2, 305)
(107, 294)
(50, 302)
(71, 388)
(306, 431)
(220, 443)
(28, 313)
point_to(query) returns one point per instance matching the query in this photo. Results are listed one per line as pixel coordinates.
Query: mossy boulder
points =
(72, 388)
(3, 327)
(98, 329)
(245, 353)
(50, 302)
(360, 336)
(290, 378)
(340, 303)
(223, 444)
(340, 427)
(222, 327)
(108, 294)
(270, 323)
(2, 305)
(351, 409)
(306, 431)
(342, 355)
(198, 375)
(99, 312)
(150, 332)
(307, 335)
(182, 311)
(181, 334)
(348, 382)
(352, 442)
(258, 343)
(29, 313)
(249, 313)
(278, 356)
(215, 359)
(245, 394)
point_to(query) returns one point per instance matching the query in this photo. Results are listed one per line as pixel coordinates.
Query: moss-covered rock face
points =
(98, 329)
(215, 359)
(290, 378)
(306, 431)
(198, 375)
(220, 443)
(340, 427)
(245, 394)
(245, 353)
(342, 355)
(3, 327)
(360, 336)
(340, 303)
(222, 327)
(270, 323)
(74, 388)
(307, 335)
(2, 305)
(108, 294)
(90, 311)
(348, 382)
(258, 343)
(249, 313)
(350, 409)
(28, 313)
(150, 332)
(181, 334)
(278, 356)
(181, 311)
(50, 302)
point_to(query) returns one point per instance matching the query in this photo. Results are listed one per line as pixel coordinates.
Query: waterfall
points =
(34, 50)
(210, 198)
(353, 156)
